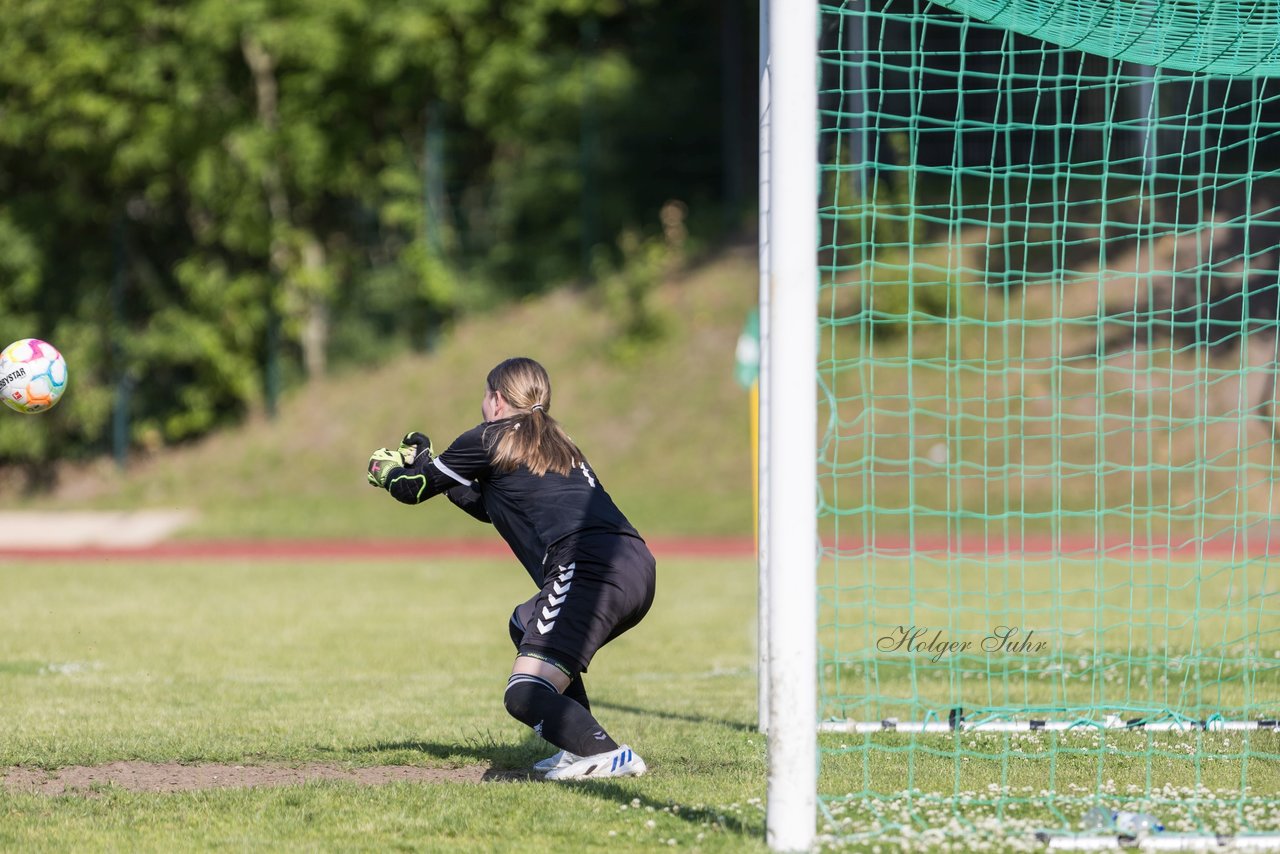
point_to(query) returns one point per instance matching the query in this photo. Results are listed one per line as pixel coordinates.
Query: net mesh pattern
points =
(1047, 390)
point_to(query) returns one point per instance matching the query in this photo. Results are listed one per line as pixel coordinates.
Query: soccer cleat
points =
(622, 762)
(560, 760)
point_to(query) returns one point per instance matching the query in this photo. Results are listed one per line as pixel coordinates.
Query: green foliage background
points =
(203, 202)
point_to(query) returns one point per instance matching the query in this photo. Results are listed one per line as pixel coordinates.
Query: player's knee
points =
(523, 694)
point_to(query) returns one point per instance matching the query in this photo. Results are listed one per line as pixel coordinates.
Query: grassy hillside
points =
(1003, 420)
(667, 428)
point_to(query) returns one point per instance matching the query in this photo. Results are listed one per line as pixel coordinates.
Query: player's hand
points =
(415, 444)
(381, 464)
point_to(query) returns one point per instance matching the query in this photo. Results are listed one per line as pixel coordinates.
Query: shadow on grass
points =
(512, 763)
(737, 726)
(505, 761)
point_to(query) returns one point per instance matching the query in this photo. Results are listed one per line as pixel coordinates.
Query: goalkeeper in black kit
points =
(519, 471)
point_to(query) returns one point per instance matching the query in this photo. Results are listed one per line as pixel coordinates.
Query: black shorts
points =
(587, 600)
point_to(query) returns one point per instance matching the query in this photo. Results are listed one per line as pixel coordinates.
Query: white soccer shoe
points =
(561, 760)
(622, 762)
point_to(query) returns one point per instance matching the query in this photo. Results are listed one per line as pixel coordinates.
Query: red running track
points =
(1228, 546)
(671, 548)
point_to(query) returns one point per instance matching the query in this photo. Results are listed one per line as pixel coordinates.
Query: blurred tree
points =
(183, 185)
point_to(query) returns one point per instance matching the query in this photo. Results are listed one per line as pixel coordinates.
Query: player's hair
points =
(530, 436)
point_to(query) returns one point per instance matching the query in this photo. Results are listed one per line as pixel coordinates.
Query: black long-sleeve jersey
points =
(542, 518)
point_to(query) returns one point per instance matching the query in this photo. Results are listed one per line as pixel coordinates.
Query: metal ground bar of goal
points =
(1159, 842)
(1112, 722)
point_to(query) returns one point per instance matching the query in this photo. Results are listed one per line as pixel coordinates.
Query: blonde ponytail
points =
(530, 436)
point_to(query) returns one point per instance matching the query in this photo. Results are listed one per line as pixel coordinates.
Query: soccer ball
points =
(33, 375)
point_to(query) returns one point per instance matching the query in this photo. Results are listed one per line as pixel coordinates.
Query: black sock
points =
(562, 721)
(577, 691)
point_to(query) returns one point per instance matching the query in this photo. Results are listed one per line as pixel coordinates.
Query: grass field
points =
(901, 637)
(389, 663)
(399, 664)
(1139, 638)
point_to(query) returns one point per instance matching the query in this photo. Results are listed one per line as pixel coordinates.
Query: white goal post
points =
(789, 418)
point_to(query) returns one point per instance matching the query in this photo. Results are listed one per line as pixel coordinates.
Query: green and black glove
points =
(382, 464)
(385, 461)
(415, 444)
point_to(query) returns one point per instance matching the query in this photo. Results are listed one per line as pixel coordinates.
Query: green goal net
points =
(1049, 248)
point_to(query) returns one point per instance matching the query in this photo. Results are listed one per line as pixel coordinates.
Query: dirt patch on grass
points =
(177, 777)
